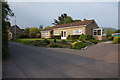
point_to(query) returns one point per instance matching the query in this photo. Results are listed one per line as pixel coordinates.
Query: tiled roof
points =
(85, 22)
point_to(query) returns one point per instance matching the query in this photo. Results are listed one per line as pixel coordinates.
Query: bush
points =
(57, 37)
(78, 45)
(55, 45)
(46, 42)
(73, 37)
(88, 43)
(116, 40)
(89, 37)
(55, 40)
(82, 37)
(23, 36)
(37, 43)
(94, 41)
(63, 42)
(37, 36)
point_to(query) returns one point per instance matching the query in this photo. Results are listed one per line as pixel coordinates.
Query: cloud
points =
(43, 13)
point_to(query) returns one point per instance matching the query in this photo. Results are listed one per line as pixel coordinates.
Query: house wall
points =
(98, 37)
(69, 31)
(43, 34)
(90, 27)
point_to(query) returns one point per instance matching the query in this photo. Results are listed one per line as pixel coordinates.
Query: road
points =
(36, 62)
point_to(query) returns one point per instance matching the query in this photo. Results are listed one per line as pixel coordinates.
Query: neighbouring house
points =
(116, 35)
(16, 31)
(87, 27)
(9, 35)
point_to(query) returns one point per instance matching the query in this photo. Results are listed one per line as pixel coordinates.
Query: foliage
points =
(57, 37)
(27, 30)
(48, 27)
(33, 31)
(68, 19)
(41, 27)
(63, 19)
(55, 41)
(6, 12)
(109, 32)
(89, 37)
(94, 41)
(116, 40)
(37, 35)
(37, 43)
(117, 31)
(82, 37)
(73, 37)
(55, 45)
(46, 42)
(88, 42)
(63, 42)
(76, 20)
(23, 36)
(78, 45)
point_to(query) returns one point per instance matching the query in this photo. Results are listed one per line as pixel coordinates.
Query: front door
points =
(63, 35)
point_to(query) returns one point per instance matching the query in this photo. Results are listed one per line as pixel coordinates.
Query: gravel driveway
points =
(35, 62)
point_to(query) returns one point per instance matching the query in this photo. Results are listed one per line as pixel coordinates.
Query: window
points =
(97, 32)
(56, 32)
(45, 34)
(77, 31)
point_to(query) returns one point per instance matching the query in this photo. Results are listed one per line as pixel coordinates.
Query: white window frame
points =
(80, 31)
(96, 30)
(56, 32)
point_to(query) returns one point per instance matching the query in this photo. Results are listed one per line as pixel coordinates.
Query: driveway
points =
(35, 62)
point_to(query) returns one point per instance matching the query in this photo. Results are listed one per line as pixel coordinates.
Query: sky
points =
(34, 14)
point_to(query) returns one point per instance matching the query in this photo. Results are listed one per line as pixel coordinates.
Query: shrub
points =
(46, 42)
(57, 37)
(37, 43)
(73, 37)
(63, 42)
(37, 36)
(78, 45)
(94, 41)
(55, 45)
(23, 36)
(82, 37)
(116, 40)
(89, 37)
(88, 43)
(55, 41)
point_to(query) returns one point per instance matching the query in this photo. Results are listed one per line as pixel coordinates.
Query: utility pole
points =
(15, 27)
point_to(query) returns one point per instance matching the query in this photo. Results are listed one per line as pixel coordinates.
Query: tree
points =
(33, 32)
(63, 19)
(6, 12)
(117, 31)
(40, 27)
(27, 30)
(48, 27)
(68, 20)
(109, 32)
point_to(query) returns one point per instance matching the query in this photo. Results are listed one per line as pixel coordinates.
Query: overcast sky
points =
(33, 14)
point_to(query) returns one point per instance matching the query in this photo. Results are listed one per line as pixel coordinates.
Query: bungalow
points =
(87, 27)
(15, 31)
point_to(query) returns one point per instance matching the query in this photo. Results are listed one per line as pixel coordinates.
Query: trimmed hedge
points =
(57, 37)
(73, 37)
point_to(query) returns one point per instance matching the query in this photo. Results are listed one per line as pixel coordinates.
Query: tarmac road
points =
(36, 62)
